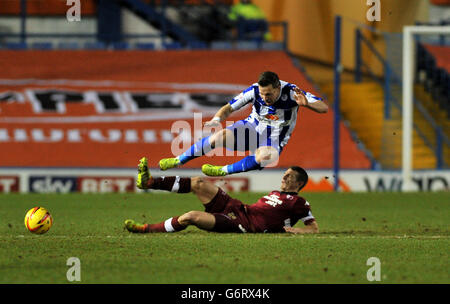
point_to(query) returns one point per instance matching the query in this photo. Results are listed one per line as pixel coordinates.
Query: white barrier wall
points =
(123, 180)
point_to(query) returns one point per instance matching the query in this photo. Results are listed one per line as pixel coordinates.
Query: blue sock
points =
(200, 148)
(246, 164)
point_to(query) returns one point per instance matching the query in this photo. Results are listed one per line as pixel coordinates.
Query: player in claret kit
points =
(278, 211)
(264, 132)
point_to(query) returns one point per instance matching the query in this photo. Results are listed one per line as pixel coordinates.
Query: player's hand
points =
(300, 98)
(290, 229)
(212, 123)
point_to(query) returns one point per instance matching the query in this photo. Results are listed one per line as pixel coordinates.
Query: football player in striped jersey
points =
(264, 132)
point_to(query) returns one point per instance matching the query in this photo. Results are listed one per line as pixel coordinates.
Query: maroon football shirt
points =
(278, 209)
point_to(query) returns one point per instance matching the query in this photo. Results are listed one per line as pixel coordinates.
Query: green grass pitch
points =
(409, 233)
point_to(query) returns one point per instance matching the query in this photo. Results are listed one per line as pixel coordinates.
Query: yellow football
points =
(38, 220)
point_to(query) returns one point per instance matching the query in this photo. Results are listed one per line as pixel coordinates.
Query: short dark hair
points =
(266, 78)
(302, 176)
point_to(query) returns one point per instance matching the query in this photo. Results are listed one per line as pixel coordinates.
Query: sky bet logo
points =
(85, 184)
(9, 184)
(51, 184)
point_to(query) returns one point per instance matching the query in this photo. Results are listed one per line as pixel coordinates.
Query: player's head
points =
(269, 87)
(294, 179)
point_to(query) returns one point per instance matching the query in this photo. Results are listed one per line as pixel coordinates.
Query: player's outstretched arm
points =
(221, 115)
(310, 228)
(319, 106)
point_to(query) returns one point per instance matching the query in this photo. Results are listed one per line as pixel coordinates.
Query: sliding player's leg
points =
(216, 222)
(204, 190)
(211, 196)
(214, 199)
(202, 220)
(170, 183)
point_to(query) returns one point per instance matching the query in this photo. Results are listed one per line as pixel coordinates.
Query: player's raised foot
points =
(169, 163)
(134, 227)
(143, 174)
(211, 170)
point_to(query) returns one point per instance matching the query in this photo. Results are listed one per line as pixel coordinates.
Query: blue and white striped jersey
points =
(280, 117)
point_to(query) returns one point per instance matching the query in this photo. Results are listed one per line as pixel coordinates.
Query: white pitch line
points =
(278, 236)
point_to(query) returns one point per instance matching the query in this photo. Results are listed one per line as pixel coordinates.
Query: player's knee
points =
(197, 184)
(227, 138)
(190, 218)
(266, 156)
(220, 138)
(217, 138)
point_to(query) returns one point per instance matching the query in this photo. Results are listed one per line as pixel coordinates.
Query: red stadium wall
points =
(441, 54)
(80, 134)
(45, 7)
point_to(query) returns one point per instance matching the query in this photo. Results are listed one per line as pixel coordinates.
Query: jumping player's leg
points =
(263, 157)
(200, 148)
(242, 137)
(265, 146)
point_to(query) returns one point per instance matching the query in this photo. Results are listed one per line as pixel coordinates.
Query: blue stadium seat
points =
(172, 45)
(272, 46)
(221, 45)
(42, 45)
(71, 45)
(121, 45)
(198, 45)
(145, 46)
(247, 45)
(98, 45)
(16, 45)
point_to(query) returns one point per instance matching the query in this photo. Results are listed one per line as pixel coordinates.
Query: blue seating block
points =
(121, 45)
(71, 45)
(16, 45)
(221, 45)
(247, 45)
(42, 45)
(97, 45)
(172, 45)
(145, 46)
(198, 45)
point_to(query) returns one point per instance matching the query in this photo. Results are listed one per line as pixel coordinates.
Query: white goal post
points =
(408, 82)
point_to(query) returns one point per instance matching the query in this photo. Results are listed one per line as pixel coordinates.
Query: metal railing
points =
(389, 79)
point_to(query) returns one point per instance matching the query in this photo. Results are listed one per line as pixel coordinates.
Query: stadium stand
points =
(42, 45)
(182, 71)
(176, 34)
(68, 45)
(382, 104)
(193, 24)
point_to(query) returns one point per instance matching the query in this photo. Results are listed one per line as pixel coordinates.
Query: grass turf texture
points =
(409, 233)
